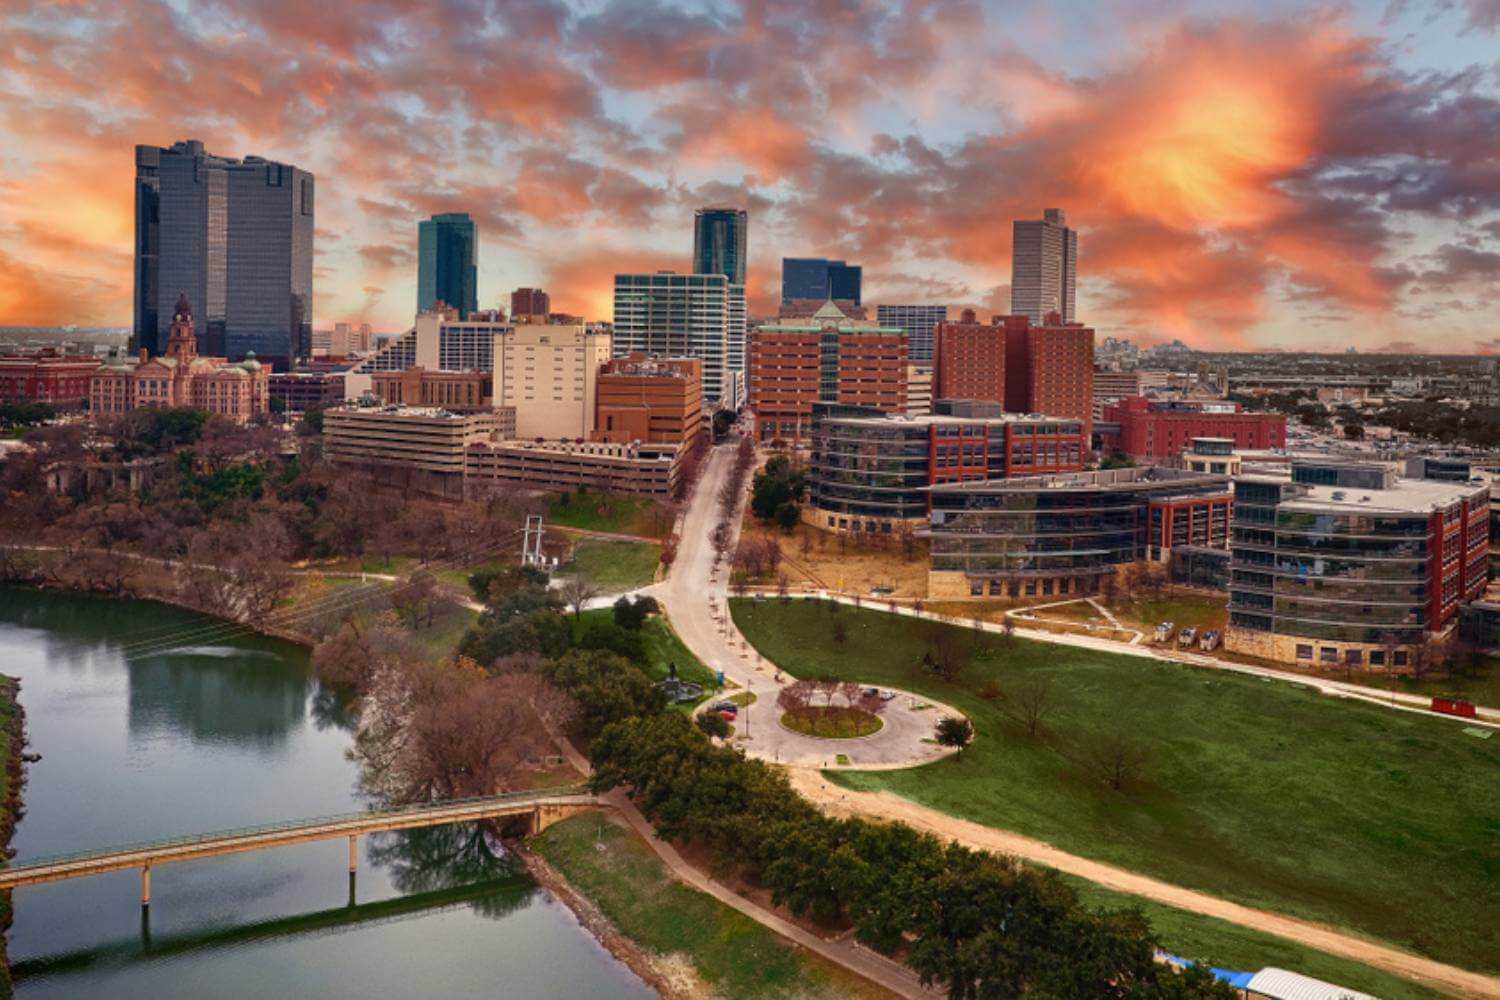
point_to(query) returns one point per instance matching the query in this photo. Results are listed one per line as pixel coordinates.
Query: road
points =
(694, 596)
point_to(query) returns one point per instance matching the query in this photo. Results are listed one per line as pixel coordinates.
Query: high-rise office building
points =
(719, 242)
(819, 279)
(686, 315)
(235, 235)
(919, 322)
(529, 302)
(447, 245)
(1043, 267)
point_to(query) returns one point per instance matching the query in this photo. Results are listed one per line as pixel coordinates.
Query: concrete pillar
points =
(353, 853)
(145, 885)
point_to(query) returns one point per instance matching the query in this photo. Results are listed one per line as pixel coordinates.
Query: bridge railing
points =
(539, 795)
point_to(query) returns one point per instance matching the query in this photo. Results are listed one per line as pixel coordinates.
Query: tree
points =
(840, 632)
(906, 537)
(416, 599)
(1117, 758)
(605, 686)
(713, 724)
(631, 613)
(1034, 700)
(788, 515)
(955, 731)
(948, 651)
(577, 592)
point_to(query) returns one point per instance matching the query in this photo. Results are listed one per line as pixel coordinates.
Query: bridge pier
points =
(353, 853)
(145, 886)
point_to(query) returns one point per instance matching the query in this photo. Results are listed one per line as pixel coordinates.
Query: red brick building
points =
(1162, 430)
(652, 400)
(46, 377)
(827, 358)
(1029, 369)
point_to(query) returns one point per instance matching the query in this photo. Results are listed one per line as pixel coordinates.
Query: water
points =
(230, 733)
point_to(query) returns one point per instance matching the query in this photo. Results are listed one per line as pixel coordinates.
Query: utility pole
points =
(531, 541)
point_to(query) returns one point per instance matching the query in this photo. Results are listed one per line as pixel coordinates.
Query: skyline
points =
(1306, 180)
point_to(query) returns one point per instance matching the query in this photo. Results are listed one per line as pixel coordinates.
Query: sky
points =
(1242, 176)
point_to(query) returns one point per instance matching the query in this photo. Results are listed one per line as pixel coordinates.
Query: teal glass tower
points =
(447, 245)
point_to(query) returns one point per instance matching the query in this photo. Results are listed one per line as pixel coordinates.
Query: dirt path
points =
(887, 806)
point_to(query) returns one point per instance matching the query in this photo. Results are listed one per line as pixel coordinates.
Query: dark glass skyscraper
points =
(235, 237)
(818, 278)
(719, 242)
(446, 248)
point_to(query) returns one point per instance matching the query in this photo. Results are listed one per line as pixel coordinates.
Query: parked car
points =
(728, 709)
(1164, 631)
(1186, 637)
(1210, 641)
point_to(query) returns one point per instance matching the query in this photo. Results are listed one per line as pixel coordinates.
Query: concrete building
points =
(1111, 386)
(549, 372)
(59, 380)
(720, 243)
(828, 358)
(1213, 455)
(532, 303)
(1060, 535)
(343, 340)
(419, 448)
(1348, 565)
(1043, 267)
(437, 341)
(459, 391)
(652, 400)
(686, 315)
(300, 391)
(920, 324)
(1154, 430)
(918, 390)
(233, 236)
(181, 377)
(447, 248)
(871, 471)
(641, 469)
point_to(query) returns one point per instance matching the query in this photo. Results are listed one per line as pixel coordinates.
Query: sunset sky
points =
(1313, 178)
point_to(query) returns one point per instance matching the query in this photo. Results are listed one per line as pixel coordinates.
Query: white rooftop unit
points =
(1283, 985)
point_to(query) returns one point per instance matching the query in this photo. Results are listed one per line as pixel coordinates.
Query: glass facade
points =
(447, 247)
(1342, 576)
(919, 322)
(1081, 525)
(719, 243)
(817, 279)
(235, 237)
(684, 315)
(867, 468)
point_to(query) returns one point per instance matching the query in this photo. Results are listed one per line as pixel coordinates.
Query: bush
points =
(713, 724)
(606, 687)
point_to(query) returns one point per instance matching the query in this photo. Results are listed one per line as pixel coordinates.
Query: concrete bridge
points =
(537, 810)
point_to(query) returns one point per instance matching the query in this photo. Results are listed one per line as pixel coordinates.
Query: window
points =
(976, 588)
(1304, 652)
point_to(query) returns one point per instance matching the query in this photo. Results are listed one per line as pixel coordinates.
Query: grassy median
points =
(1258, 791)
(732, 954)
(614, 566)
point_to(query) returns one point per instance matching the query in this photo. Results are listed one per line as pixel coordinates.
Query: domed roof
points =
(250, 364)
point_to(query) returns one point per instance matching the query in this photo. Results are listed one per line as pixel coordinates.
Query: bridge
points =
(538, 809)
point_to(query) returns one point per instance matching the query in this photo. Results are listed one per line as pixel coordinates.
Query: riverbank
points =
(12, 743)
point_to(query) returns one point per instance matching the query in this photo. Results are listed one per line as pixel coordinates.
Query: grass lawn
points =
(1197, 611)
(612, 512)
(663, 647)
(615, 566)
(732, 954)
(1229, 946)
(442, 637)
(1258, 791)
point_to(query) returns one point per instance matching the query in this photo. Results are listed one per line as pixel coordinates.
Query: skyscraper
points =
(529, 302)
(685, 315)
(719, 242)
(819, 279)
(1043, 267)
(446, 248)
(233, 235)
(918, 322)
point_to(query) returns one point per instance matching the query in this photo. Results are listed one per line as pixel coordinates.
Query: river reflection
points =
(230, 735)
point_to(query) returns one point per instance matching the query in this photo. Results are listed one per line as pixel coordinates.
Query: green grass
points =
(1229, 946)
(442, 637)
(1257, 791)
(615, 566)
(731, 953)
(840, 724)
(624, 515)
(663, 647)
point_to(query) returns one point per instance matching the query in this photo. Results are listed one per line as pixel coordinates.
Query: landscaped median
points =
(1257, 791)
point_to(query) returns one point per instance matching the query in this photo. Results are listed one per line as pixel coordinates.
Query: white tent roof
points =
(1283, 985)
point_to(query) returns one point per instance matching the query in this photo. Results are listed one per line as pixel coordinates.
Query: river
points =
(233, 731)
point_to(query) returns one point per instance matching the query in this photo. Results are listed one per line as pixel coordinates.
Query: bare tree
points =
(1034, 700)
(416, 599)
(1117, 758)
(948, 651)
(906, 537)
(577, 592)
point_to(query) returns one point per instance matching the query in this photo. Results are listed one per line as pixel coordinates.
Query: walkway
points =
(695, 597)
(540, 807)
(886, 806)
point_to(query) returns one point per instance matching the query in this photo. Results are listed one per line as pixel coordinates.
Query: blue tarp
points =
(1239, 980)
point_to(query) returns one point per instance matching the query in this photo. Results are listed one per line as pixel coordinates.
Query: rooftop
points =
(1408, 496)
(1146, 477)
